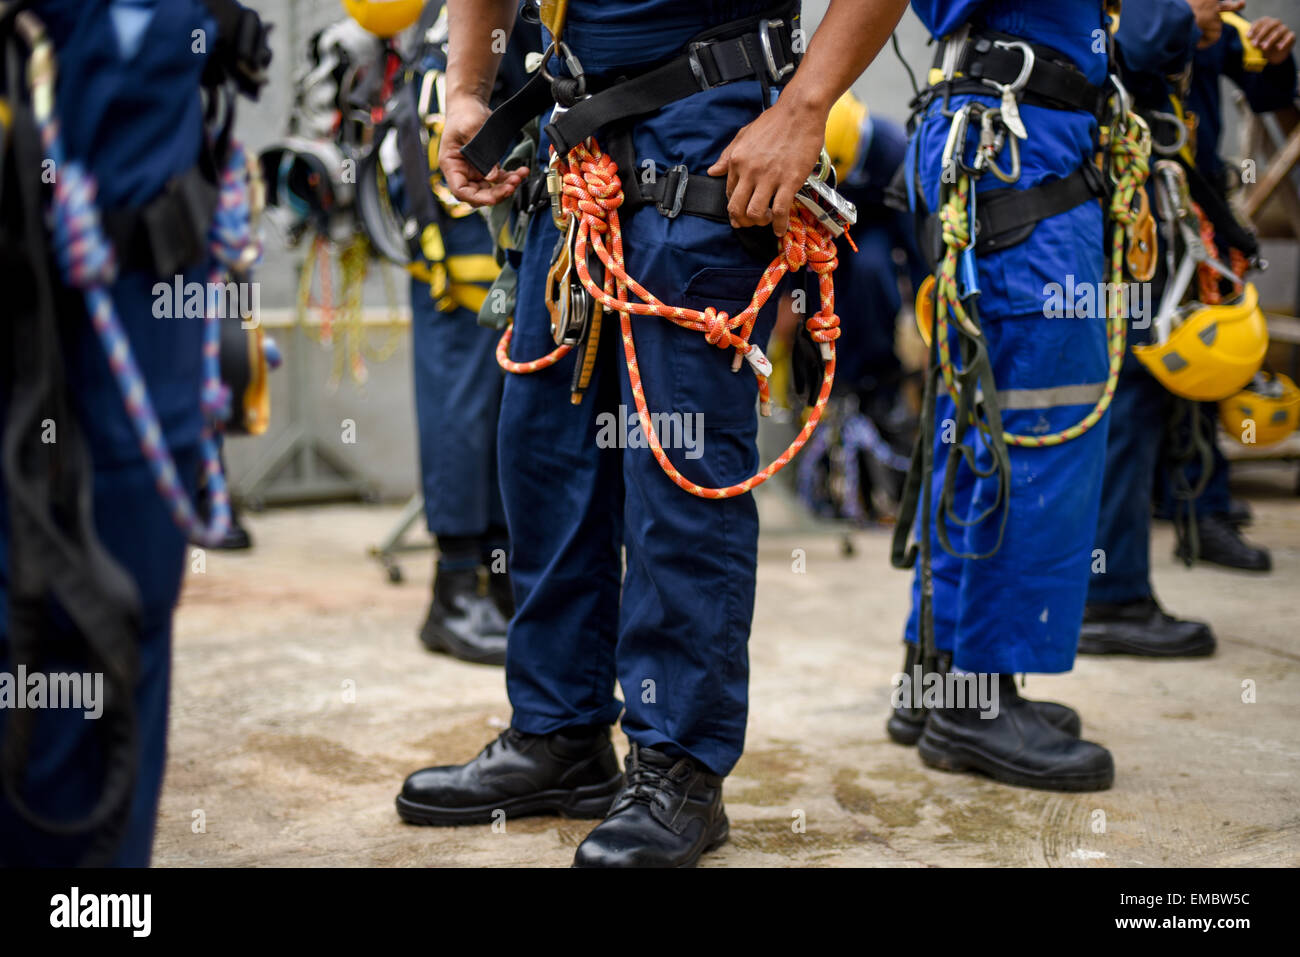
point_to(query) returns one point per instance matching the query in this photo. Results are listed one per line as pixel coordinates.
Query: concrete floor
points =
(301, 698)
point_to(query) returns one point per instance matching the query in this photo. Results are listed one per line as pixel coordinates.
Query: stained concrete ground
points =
(301, 699)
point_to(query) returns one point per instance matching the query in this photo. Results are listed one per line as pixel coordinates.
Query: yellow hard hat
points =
(1214, 352)
(384, 18)
(1267, 410)
(844, 133)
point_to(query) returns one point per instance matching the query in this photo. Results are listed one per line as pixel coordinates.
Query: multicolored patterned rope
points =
(86, 257)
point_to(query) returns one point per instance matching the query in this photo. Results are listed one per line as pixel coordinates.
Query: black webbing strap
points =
(1007, 217)
(498, 132)
(1054, 82)
(705, 65)
(727, 54)
(678, 191)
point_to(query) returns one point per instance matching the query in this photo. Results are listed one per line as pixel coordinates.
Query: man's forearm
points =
(848, 39)
(474, 46)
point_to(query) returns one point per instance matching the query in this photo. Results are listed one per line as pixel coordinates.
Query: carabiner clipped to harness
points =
(1010, 92)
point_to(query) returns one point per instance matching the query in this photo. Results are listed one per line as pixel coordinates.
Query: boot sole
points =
(947, 755)
(592, 801)
(442, 642)
(1117, 646)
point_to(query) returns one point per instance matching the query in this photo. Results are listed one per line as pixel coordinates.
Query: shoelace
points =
(643, 780)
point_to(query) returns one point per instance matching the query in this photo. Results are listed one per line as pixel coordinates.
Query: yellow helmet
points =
(1263, 413)
(844, 133)
(1214, 352)
(384, 18)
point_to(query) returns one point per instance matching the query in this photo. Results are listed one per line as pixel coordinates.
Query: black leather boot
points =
(668, 814)
(1016, 747)
(1221, 544)
(462, 622)
(1142, 628)
(573, 773)
(905, 725)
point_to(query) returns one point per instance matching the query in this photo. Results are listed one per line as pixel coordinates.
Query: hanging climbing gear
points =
(1203, 352)
(588, 195)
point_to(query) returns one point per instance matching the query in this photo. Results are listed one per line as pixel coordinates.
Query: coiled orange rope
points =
(592, 195)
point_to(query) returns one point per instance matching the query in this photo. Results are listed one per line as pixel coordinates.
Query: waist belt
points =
(987, 61)
(169, 234)
(1007, 217)
(759, 47)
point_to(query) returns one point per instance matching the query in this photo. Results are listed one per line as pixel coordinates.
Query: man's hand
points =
(768, 161)
(1273, 38)
(1207, 18)
(464, 118)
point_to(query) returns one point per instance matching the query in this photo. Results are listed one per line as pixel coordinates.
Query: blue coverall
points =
(128, 95)
(1020, 609)
(457, 399)
(673, 626)
(1155, 38)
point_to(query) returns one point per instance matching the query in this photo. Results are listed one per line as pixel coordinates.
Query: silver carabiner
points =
(955, 146)
(1009, 91)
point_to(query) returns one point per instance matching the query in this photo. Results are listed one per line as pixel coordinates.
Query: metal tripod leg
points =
(393, 543)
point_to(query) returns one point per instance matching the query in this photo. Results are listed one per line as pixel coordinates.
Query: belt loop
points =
(693, 51)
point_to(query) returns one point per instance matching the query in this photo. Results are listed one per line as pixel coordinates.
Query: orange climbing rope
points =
(592, 195)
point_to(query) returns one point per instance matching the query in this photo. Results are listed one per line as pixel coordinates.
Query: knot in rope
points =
(83, 251)
(717, 329)
(1130, 152)
(952, 217)
(823, 328)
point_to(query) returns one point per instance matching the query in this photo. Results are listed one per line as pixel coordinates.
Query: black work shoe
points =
(462, 622)
(905, 724)
(668, 814)
(1221, 544)
(1142, 628)
(572, 773)
(1016, 747)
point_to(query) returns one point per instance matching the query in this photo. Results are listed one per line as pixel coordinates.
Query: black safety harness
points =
(758, 48)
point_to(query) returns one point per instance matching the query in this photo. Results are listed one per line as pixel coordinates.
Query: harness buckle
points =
(675, 188)
(765, 28)
(697, 68)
